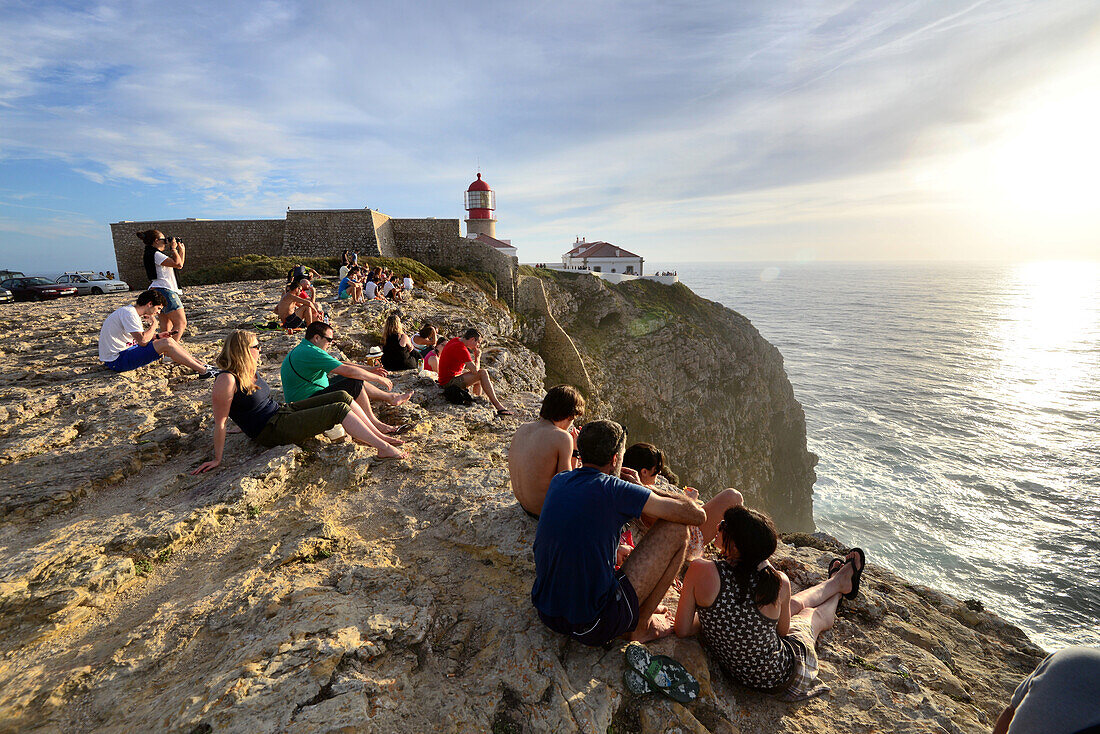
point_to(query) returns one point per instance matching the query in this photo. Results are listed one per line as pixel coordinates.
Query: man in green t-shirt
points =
(306, 371)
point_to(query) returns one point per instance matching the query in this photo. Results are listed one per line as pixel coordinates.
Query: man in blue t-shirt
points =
(577, 590)
(305, 372)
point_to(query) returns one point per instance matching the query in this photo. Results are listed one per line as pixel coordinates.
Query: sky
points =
(683, 131)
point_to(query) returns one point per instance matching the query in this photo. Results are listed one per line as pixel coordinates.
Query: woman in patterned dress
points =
(761, 634)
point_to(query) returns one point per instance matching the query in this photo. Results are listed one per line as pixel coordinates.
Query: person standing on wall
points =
(162, 258)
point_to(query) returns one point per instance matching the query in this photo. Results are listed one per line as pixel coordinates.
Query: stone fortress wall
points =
(437, 243)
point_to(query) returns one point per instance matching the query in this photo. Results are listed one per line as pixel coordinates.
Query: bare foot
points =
(393, 441)
(844, 575)
(384, 427)
(657, 627)
(399, 399)
(392, 453)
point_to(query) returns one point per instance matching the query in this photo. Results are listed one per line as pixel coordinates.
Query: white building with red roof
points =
(602, 257)
(504, 246)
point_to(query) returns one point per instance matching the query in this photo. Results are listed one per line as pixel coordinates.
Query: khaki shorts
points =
(803, 682)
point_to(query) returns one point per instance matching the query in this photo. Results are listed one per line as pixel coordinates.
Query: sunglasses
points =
(255, 346)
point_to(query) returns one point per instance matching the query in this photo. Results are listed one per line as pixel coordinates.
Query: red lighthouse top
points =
(480, 200)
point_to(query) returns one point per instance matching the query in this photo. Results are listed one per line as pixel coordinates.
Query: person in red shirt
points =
(460, 363)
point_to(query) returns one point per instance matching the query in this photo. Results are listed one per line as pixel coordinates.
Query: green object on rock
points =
(662, 673)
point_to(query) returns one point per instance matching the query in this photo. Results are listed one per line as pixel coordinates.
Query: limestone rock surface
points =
(692, 377)
(316, 588)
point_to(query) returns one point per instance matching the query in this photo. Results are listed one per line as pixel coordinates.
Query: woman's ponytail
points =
(754, 537)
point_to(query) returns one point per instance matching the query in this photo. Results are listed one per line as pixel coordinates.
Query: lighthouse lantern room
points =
(480, 204)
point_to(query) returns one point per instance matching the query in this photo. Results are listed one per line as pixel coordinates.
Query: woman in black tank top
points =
(761, 635)
(241, 394)
(398, 351)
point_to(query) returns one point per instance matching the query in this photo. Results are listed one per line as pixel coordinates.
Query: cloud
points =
(586, 112)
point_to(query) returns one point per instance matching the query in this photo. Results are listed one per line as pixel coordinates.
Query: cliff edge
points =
(686, 374)
(315, 588)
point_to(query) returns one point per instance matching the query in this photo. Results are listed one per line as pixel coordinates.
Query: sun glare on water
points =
(1049, 332)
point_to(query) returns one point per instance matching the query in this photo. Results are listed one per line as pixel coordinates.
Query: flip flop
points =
(834, 569)
(504, 411)
(403, 428)
(636, 684)
(858, 573)
(663, 673)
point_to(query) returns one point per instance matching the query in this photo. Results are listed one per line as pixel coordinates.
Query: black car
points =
(36, 289)
(6, 295)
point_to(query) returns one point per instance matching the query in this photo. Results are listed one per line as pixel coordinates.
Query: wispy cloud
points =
(587, 114)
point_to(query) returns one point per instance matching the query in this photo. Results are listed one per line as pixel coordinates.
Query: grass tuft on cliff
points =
(264, 267)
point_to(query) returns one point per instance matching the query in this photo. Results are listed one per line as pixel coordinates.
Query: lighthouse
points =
(480, 204)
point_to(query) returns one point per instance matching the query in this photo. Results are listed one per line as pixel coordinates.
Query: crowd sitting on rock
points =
(323, 393)
(596, 581)
(613, 530)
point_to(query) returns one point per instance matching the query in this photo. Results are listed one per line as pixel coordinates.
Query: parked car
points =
(87, 282)
(5, 274)
(36, 289)
(6, 295)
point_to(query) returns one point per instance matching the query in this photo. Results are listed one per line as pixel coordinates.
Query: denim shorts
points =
(133, 357)
(173, 298)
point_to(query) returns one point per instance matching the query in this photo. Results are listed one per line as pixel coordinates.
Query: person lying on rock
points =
(649, 462)
(577, 590)
(310, 370)
(126, 342)
(544, 448)
(460, 362)
(1061, 696)
(241, 394)
(761, 635)
(294, 310)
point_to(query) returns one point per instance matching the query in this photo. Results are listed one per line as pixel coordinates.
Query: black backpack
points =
(457, 394)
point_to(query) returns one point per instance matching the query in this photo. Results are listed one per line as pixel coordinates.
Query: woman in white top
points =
(162, 258)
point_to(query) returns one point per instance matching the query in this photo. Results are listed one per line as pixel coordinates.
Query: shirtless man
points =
(294, 311)
(577, 591)
(545, 447)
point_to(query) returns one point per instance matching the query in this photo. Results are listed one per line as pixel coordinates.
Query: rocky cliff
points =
(686, 374)
(315, 588)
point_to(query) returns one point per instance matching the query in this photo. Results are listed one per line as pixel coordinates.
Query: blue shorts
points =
(134, 357)
(173, 298)
(619, 616)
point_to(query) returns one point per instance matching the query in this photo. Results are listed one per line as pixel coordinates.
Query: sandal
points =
(636, 684)
(858, 573)
(504, 411)
(403, 428)
(663, 673)
(835, 565)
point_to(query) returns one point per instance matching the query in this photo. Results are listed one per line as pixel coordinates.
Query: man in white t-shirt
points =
(126, 343)
(408, 283)
(370, 290)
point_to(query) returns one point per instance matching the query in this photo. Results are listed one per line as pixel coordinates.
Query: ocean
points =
(955, 409)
